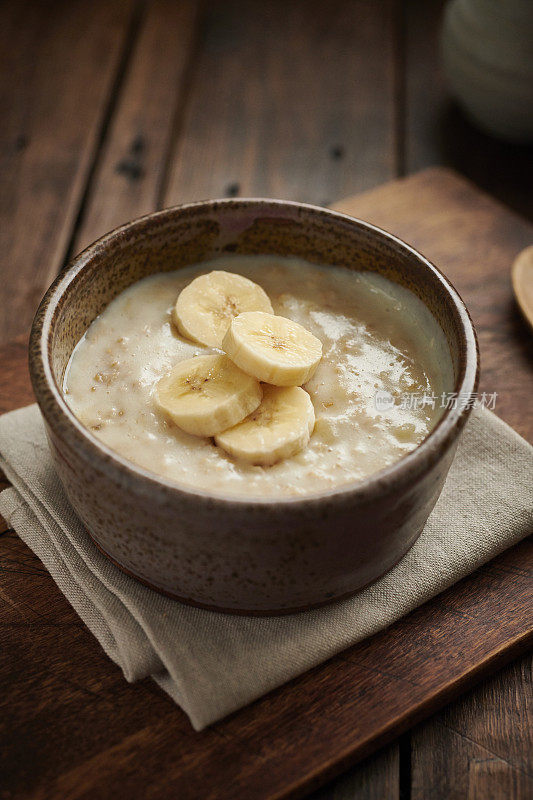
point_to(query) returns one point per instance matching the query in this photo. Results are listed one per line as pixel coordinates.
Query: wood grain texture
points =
(375, 778)
(53, 106)
(131, 165)
(87, 734)
(17, 391)
(478, 746)
(291, 100)
(425, 96)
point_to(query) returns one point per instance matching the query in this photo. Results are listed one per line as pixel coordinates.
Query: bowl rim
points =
(122, 471)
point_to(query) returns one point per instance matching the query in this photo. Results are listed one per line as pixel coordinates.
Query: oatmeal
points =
(381, 349)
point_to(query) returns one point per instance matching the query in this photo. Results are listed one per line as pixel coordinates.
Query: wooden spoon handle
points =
(522, 277)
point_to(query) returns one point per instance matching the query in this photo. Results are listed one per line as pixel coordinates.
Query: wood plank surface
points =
(376, 778)
(292, 100)
(472, 759)
(131, 165)
(53, 108)
(92, 735)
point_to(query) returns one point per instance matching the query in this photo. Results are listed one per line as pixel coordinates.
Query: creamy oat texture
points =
(376, 336)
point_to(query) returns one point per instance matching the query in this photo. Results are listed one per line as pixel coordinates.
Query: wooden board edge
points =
(388, 734)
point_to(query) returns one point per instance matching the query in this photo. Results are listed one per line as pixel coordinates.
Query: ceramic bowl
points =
(255, 556)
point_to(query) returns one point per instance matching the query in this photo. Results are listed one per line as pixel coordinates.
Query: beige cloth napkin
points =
(211, 663)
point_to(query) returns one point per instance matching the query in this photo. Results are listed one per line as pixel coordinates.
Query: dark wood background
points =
(113, 108)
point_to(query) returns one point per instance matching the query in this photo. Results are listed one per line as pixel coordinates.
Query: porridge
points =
(291, 385)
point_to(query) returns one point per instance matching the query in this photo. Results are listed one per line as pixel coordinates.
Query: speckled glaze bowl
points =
(232, 554)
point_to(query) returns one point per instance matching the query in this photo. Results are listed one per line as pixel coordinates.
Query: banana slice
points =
(272, 349)
(205, 308)
(279, 428)
(207, 394)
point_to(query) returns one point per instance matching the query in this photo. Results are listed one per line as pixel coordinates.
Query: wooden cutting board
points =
(77, 729)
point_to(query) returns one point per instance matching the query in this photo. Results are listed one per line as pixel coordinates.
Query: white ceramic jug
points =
(487, 50)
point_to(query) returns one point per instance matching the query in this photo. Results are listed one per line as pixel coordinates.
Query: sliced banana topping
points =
(273, 349)
(220, 396)
(279, 428)
(207, 394)
(205, 308)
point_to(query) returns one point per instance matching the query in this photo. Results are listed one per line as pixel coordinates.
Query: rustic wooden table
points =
(113, 108)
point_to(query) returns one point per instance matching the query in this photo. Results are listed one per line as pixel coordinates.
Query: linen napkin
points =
(211, 663)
